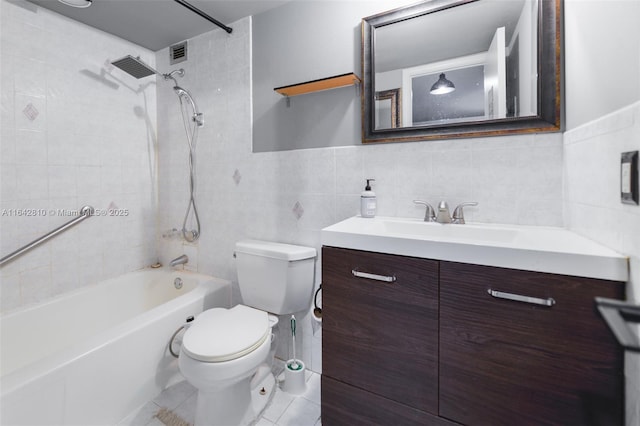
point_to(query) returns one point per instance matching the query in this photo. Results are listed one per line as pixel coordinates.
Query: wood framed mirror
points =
(465, 68)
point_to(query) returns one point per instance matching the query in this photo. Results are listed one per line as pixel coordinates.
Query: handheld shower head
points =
(184, 94)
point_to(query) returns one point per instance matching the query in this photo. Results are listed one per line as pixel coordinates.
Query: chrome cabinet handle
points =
(376, 277)
(519, 298)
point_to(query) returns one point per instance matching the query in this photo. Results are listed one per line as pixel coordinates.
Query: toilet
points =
(227, 354)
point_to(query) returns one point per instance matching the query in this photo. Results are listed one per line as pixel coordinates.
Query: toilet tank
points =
(275, 277)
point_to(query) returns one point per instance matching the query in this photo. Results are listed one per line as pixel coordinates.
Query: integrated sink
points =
(532, 248)
(449, 232)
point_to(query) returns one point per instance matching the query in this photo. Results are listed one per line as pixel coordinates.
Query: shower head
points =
(184, 94)
(134, 67)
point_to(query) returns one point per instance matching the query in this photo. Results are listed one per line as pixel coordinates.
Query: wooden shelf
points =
(328, 83)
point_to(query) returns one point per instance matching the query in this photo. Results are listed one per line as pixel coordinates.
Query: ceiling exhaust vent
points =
(178, 53)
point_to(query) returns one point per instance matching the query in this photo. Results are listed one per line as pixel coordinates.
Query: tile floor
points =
(284, 409)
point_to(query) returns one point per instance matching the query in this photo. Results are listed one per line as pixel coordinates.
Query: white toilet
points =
(225, 353)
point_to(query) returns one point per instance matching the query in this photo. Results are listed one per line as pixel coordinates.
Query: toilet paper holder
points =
(317, 311)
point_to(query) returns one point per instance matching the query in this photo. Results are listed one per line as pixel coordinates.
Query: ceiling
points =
(156, 24)
(451, 33)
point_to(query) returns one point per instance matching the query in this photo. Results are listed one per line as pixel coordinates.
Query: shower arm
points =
(170, 75)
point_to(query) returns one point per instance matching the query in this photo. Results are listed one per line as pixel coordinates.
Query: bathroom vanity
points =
(433, 324)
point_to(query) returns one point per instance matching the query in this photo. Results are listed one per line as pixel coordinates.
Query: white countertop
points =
(531, 248)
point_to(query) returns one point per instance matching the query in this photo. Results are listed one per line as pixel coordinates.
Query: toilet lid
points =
(221, 334)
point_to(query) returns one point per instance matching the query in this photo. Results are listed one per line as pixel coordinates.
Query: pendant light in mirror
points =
(442, 86)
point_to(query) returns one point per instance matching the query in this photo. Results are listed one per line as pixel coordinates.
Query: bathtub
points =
(92, 356)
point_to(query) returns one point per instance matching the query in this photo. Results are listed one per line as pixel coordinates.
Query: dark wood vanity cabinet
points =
(351, 406)
(436, 347)
(507, 362)
(379, 337)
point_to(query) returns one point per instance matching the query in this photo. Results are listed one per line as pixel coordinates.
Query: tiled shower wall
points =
(592, 206)
(75, 131)
(290, 196)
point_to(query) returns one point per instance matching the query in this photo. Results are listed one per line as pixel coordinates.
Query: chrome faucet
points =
(180, 260)
(443, 216)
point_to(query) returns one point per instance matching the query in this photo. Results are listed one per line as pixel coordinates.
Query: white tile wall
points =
(516, 179)
(75, 131)
(592, 206)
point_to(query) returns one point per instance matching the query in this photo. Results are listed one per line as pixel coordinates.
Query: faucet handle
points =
(430, 213)
(458, 213)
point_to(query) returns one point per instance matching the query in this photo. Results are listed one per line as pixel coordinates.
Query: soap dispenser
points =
(368, 202)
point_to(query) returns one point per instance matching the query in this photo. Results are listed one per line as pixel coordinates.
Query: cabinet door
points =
(350, 406)
(381, 336)
(507, 362)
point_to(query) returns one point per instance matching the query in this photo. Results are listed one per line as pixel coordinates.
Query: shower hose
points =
(192, 137)
(173, 336)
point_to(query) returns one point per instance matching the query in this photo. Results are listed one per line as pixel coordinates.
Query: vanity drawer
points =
(380, 329)
(350, 406)
(526, 348)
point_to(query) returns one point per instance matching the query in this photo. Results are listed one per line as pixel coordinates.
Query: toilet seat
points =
(220, 334)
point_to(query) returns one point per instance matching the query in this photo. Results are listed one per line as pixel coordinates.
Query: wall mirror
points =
(462, 68)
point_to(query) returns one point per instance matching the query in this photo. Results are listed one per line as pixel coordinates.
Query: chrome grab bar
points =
(622, 318)
(520, 298)
(376, 277)
(85, 212)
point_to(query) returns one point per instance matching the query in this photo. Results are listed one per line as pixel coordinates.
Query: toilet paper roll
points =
(316, 314)
(316, 319)
(316, 307)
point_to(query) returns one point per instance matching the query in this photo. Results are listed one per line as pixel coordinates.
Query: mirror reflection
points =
(477, 61)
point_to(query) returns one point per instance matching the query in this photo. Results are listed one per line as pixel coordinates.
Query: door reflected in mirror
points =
(470, 64)
(388, 109)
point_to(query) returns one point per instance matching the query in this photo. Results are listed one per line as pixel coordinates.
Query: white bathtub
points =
(92, 356)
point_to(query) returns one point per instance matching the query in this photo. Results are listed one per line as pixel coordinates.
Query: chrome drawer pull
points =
(376, 277)
(519, 298)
